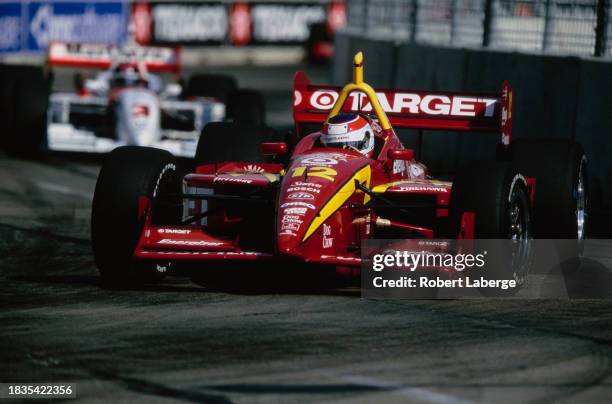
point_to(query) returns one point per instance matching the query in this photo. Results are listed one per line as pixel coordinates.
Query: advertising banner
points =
(29, 26)
(233, 23)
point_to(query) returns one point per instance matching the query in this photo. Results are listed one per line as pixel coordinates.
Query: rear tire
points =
(561, 193)
(24, 99)
(128, 173)
(560, 169)
(218, 86)
(228, 141)
(496, 192)
(247, 107)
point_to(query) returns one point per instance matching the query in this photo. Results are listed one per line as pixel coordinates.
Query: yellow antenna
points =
(359, 85)
(358, 68)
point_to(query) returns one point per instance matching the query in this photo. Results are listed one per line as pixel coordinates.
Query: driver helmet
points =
(349, 131)
(126, 74)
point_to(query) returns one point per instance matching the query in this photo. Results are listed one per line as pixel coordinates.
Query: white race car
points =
(125, 104)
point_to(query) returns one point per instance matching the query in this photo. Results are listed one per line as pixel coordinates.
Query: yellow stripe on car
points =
(339, 198)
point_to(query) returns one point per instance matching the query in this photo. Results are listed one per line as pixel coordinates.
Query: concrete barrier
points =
(566, 97)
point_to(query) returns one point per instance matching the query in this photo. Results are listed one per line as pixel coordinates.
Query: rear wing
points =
(102, 56)
(428, 110)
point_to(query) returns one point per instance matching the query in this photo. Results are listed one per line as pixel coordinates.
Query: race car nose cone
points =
(317, 184)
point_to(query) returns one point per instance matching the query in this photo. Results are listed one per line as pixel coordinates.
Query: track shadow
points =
(346, 388)
(85, 280)
(175, 285)
(589, 279)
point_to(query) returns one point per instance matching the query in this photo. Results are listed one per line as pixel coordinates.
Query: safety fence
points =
(573, 27)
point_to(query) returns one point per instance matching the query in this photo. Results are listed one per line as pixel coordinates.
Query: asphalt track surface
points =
(183, 343)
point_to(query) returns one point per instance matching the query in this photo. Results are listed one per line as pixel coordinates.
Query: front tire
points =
(128, 173)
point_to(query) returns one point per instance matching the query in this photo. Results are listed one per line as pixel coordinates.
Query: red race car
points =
(251, 201)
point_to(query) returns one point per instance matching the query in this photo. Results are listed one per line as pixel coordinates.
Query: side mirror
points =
(400, 154)
(172, 90)
(273, 148)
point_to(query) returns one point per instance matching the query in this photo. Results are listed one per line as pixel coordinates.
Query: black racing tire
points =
(247, 107)
(24, 99)
(228, 141)
(128, 173)
(559, 167)
(496, 192)
(218, 86)
(487, 188)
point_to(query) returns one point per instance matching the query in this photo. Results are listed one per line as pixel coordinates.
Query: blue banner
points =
(29, 26)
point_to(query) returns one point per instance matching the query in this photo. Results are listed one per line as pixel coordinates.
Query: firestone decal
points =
(423, 188)
(168, 241)
(233, 180)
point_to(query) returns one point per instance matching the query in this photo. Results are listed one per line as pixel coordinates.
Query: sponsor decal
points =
(233, 180)
(295, 211)
(335, 156)
(292, 219)
(290, 226)
(320, 172)
(318, 161)
(253, 169)
(411, 103)
(304, 204)
(190, 22)
(423, 188)
(323, 99)
(203, 243)
(306, 189)
(173, 231)
(306, 184)
(327, 242)
(284, 22)
(287, 233)
(300, 195)
(74, 21)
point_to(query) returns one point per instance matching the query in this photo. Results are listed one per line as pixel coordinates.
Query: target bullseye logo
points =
(323, 99)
